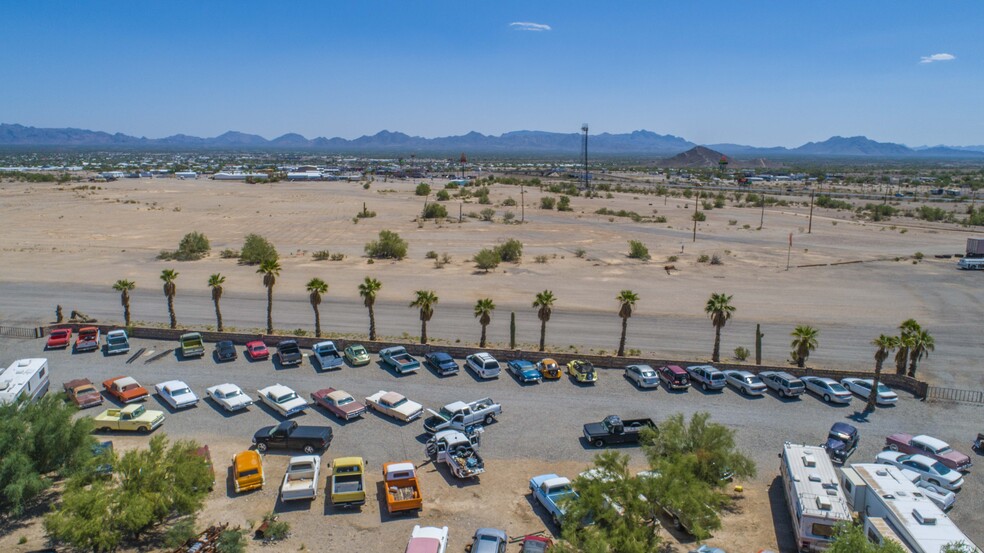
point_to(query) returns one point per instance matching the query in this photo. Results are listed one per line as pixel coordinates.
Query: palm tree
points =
(626, 301)
(920, 344)
(318, 288)
(720, 309)
(885, 345)
(907, 329)
(124, 287)
(483, 310)
(368, 290)
(169, 276)
(215, 282)
(804, 341)
(425, 301)
(544, 301)
(270, 270)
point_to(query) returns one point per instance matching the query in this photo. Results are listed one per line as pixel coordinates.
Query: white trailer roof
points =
(815, 482)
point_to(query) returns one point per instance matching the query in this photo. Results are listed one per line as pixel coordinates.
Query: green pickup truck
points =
(192, 345)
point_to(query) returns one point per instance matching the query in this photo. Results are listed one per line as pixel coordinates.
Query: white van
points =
(27, 378)
(971, 263)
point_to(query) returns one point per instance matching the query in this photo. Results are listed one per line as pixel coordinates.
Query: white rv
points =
(814, 495)
(27, 378)
(971, 263)
(895, 509)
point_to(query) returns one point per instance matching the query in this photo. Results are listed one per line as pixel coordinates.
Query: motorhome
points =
(894, 509)
(27, 378)
(814, 495)
(971, 263)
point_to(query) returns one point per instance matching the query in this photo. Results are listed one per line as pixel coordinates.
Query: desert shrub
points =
(548, 202)
(540, 259)
(423, 189)
(719, 202)
(638, 250)
(878, 211)
(487, 259)
(659, 219)
(580, 252)
(388, 246)
(510, 251)
(673, 259)
(194, 245)
(487, 214)
(337, 256)
(564, 204)
(700, 216)
(620, 213)
(365, 186)
(322, 255)
(451, 186)
(180, 533)
(509, 202)
(703, 258)
(508, 216)
(831, 203)
(732, 222)
(918, 255)
(928, 213)
(434, 211)
(483, 197)
(716, 260)
(276, 529)
(741, 353)
(256, 250)
(430, 255)
(688, 193)
(707, 205)
(229, 254)
(232, 541)
(443, 196)
(365, 214)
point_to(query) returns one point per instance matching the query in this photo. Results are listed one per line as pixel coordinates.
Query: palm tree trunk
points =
(800, 361)
(423, 332)
(170, 311)
(873, 395)
(372, 324)
(269, 309)
(218, 316)
(317, 322)
(912, 364)
(481, 342)
(621, 341)
(543, 333)
(126, 312)
(716, 356)
(900, 366)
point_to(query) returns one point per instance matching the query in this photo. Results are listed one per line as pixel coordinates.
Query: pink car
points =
(59, 338)
(257, 350)
(930, 447)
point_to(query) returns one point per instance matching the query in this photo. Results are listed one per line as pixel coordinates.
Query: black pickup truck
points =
(288, 435)
(614, 430)
(289, 353)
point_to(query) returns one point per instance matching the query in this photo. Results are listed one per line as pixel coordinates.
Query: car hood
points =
(407, 408)
(595, 428)
(530, 373)
(351, 407)
(833, 444)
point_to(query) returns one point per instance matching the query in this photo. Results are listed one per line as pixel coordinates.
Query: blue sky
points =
(759, 73)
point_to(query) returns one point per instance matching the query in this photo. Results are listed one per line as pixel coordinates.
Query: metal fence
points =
(955, 394)
(19, 332)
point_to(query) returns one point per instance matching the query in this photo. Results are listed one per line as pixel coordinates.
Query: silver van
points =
(783, 383)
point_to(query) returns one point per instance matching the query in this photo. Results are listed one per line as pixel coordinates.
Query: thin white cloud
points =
(527, 26)
(937, 57)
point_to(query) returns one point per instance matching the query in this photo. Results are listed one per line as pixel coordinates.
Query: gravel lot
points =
(540, 429)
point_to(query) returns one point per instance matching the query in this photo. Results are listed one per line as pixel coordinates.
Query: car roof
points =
(125, 381)
(278, 389)
(338, 395)
(932, 442)
(391, 397)
(676, 369)
(227, 387)
(255, 343)
(484, 356)
(920, 458)
(248, 459)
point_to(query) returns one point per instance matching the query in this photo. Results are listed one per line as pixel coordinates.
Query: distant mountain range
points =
(638, 143)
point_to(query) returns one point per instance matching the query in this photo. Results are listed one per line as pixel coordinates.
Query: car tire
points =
(105, 429)
(309, 449)
(744, 391)
(599, 443)
(556, 520)
(936, 483)
(893, 447)
(142, 429)
(703, 386)
(489, 419)
(261, 447)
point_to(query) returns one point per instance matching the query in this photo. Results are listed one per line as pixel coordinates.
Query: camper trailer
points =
(813, 494)
(24, 378)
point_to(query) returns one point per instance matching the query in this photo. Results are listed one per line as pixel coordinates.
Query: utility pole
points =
(809, 228)
(459, 212)
(762, 216)
(696, 205)
(584, 151)
(789, 252)
(522, 204)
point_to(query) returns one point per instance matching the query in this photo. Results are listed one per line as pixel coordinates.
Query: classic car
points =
(442, 363)
(842, 441)
(395, 405)
(289, 435)
(829, 389)
(87, 339)
(745, 382)
(289, 353)
(930, 470)
(192, 345)
(282, 399)
(59, 338)
(707, 377)
(524, 371)
(489, 540)
(339, 403)
(582, 371)
(82, 393)
(226, 351)
(862, 388)
(327, 355)
(550, 369)
(642, 375)
(256, 350)
(229, 396)
(132, 417)
(553, 492)
(125, 389)
(117, 342)
(535, 544)
(398, 358)
(177, 394)
(247, 471)
(616, 430)
(483, 365)
(301, 478)
(930, 447)
(357, 355)
(674, 377)
(428, 539)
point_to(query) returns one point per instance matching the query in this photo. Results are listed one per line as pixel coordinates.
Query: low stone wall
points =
(911, 385)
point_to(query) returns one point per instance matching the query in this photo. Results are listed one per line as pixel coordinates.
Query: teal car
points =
(357, 355)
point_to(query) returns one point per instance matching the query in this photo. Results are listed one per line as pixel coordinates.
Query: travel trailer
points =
(813, 494)
(27, 378)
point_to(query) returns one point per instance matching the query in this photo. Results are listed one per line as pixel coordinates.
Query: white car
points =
(229, 396)
(483, 365)
(395, 405)
(644, 376)
(862, 387)
(829, 389)
(942, 498)
(283, 400)
(930, 471)
(745, 382)
(177, 394)
(428, 539)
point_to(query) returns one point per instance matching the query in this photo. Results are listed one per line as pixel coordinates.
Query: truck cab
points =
(247, 471)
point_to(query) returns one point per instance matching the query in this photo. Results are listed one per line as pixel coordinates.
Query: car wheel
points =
(555, 520)
(261, 447)
(782, 393)
(744, 391)
(935, 482)
(826, 397)
(489, 419)
(599, 443)
(893, 447)
(142, 429)
(309, 449)
(704, 386)
(105, 429)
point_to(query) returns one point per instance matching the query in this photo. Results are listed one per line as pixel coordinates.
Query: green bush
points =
(435, 211)
(703, 258)
(831, 203)
(389, 246)
(510, 251)
(741, 353)
(276, 529)
(540, 258)
(322, 255)
(508, 216)
(443, 196)
(638, 250)
(487, 259)
(580, 252)
(509, 202)
(180, 533)
(423, 189)
(430, 255)
(699, 216)
(487, 214)
(256, 250)
(547, 202)
(934, 214)
(229, 254)
(564, 204)
(232, 541)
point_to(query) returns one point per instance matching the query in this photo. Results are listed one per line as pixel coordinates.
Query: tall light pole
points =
(584, 152)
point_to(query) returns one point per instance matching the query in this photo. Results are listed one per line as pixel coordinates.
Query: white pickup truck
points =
(460, 415)
(301, 480)
(458, 451)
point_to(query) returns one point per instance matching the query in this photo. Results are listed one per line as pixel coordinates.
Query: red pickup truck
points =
(88, 339)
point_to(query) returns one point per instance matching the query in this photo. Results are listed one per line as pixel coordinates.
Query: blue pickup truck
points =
(398, 358)
(328, 355)
(553, 492)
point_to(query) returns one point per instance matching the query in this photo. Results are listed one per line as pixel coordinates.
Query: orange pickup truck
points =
(402, 488)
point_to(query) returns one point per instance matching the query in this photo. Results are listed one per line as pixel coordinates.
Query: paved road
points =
(540, 422)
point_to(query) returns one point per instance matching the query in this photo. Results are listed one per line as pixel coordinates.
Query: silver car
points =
(644, 376)
(745, 382)
(829, 389)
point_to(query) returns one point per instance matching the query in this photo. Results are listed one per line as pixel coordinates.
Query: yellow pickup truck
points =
(131, 417)
(247, 471)
(348, 482)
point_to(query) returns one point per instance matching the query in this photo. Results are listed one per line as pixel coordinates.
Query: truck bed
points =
(347, 484)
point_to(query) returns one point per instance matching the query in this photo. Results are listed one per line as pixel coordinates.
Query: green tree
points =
(804, 342)
(720, 310)
(906, 330)
(257, 249)
(510, 251)
(921, 343)
(547, 202)
(270, 269)
(564, 204)
(389, 246)
(317, 288)
(170, 289)
(193, 246)
(487, 259)
(368, 290)
(884, 345)
(638, 250)
(626, 301)
(215, 283)
(434, 211)
(423, 189)
(124, 287)
(483, 310)
(425, 300)
(850, 538)
(544, 304)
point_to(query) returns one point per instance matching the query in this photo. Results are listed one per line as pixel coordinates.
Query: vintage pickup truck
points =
(398, 358)
(327, 355)
(460, 415)
(192, 345)
(458, 451)
(132, 417)
(87, 339)
(301, 479)
(553, 492)
(614, 430)
(401, 487)
(117, 342)
(247, 471)
(348, 482)
(289, 353)
(288, 435)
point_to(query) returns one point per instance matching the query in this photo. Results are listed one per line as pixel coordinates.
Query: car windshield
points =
(837, 388)
(116, 339)
(345, 401)
(137, 412)
(647, 374)
(358, 351)
(287, 397)
(940, 468)
(716, 376)
(399, 403)
(257, 347)
(233, 393)
(883, 389)
(180, 392)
